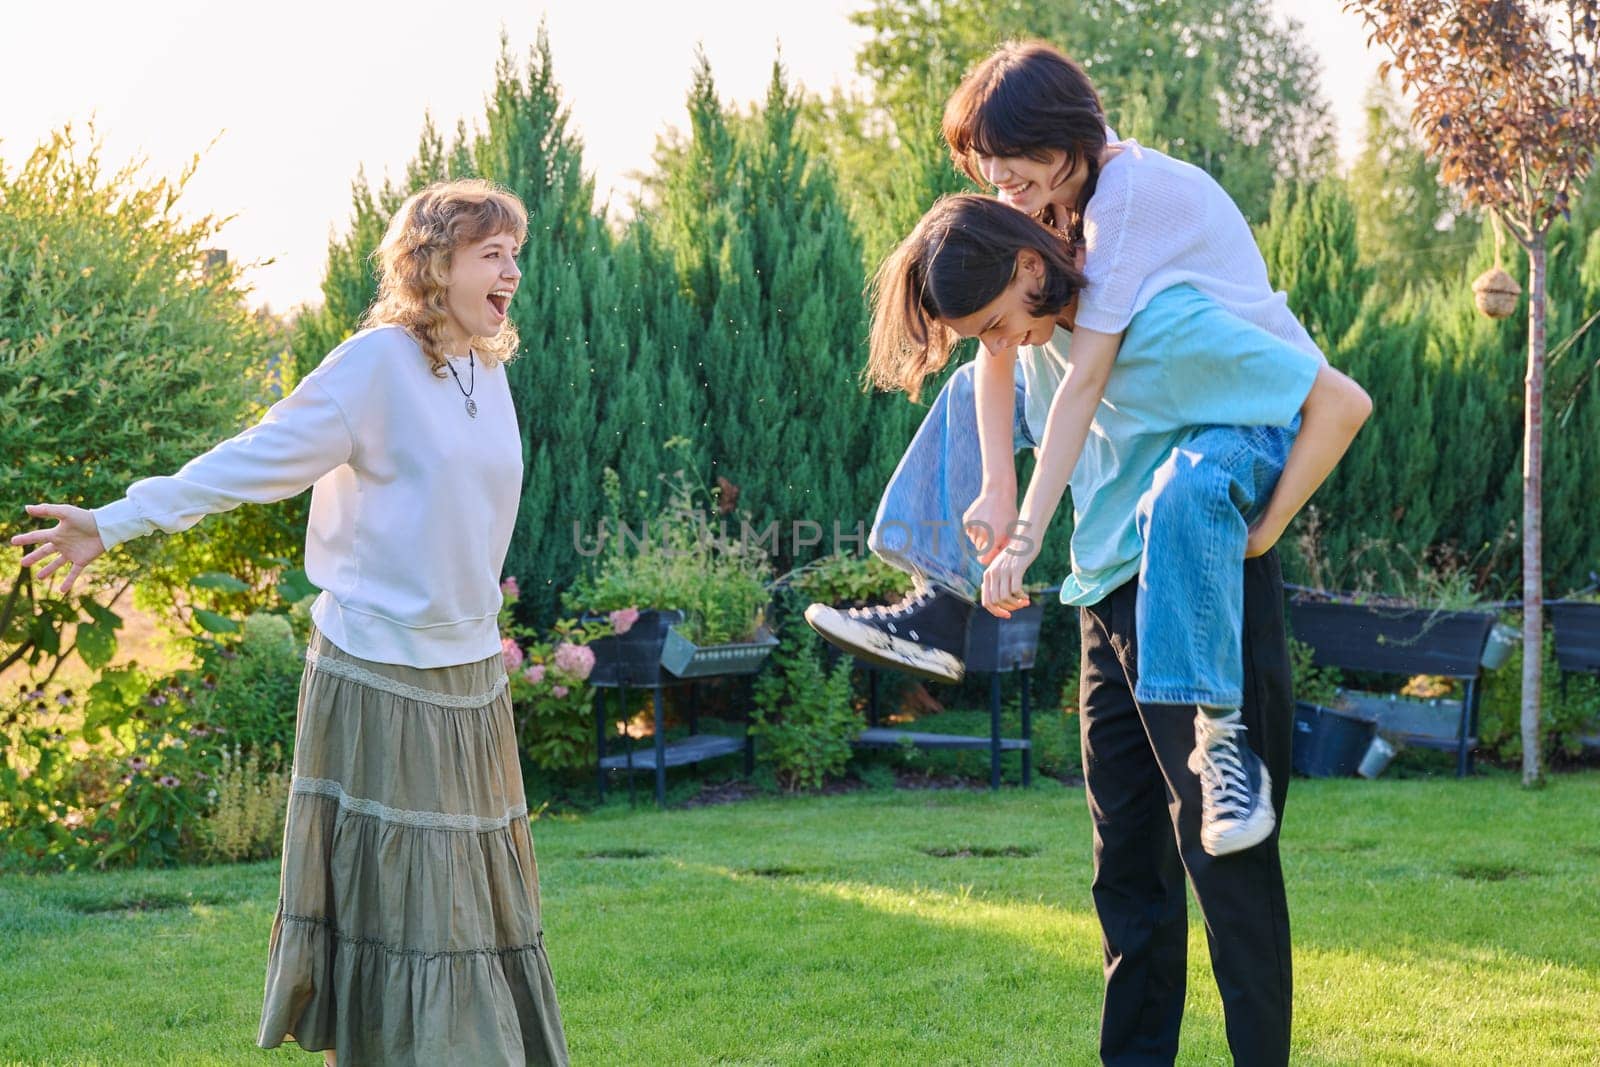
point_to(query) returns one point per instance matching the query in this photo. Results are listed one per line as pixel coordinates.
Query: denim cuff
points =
(1209, 698)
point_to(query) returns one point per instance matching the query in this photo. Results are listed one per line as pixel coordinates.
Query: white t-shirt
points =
(412, 500)
(1155, 222)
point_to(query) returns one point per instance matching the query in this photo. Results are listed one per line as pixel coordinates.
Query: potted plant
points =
(1330, 737)
(630, 655)
(694, 600)
(992, 643)
(1433, 621)
(1431, 618)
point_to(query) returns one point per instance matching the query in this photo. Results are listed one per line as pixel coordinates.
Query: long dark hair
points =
(1028, 99)
(961, 256)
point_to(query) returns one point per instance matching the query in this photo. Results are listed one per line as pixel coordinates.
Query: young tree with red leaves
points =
(1506, 101)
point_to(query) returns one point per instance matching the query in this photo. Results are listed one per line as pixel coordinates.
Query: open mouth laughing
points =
(500, 302)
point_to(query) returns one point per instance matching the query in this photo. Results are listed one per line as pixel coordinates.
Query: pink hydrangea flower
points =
(559, 691)
(622, 619)
(535, 673)
(511, 652)
(508, 588)
(573, 660)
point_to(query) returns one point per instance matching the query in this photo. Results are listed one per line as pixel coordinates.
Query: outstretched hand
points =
(74, 542)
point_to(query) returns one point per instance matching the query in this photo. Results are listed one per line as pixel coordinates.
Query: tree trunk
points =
(1533, 517)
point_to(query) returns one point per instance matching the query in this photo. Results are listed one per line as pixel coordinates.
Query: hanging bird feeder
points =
(1495, 291)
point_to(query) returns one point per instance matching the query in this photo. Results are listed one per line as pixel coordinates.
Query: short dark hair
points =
(1028, 99)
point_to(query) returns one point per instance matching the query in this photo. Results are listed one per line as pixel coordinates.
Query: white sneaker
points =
(1235, 789)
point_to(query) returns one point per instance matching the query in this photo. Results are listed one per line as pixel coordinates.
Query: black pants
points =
(1145, 803)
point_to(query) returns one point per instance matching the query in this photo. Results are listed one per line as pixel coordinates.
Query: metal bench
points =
(661, 754)
(996, 647)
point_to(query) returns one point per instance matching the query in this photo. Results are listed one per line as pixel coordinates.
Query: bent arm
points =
(995, 392)
(1333, 413)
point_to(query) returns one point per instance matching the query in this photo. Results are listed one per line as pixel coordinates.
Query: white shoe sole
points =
(1238, 836)
(872, 645)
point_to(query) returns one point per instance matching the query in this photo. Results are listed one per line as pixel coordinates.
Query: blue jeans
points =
(918, 527)
(1193, 520)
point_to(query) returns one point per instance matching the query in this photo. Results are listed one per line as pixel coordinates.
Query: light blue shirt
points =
(1185, 363)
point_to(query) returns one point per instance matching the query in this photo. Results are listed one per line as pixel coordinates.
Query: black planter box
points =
(1329, 743)
(996, 644)
(633, 658)
(1577, 626)
(1363, 637)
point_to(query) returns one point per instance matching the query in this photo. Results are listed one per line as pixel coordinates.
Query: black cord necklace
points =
(466, 390)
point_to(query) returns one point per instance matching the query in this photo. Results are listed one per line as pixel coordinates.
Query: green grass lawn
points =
(1435, 922)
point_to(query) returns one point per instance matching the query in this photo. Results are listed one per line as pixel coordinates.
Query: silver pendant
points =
(472, 407)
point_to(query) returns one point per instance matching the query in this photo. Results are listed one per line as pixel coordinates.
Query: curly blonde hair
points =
(415, 256)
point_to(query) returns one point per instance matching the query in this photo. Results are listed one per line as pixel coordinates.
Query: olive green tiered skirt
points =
(408, 926)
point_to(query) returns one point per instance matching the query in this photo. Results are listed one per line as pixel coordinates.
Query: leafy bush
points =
(1571, 707)
(549, 696)
(803, 710)
(126, 774)
(119, 777)
(852, 580)
(124, 352)
(1312, 684)
(251, 688)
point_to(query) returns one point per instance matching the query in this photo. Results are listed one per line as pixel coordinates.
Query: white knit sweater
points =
(1155, 222)
(412, 500)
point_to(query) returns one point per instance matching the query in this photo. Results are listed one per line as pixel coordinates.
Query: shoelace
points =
(1221, 770)
(908, 604)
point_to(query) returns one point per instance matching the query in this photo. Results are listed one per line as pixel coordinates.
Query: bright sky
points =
(301, 94)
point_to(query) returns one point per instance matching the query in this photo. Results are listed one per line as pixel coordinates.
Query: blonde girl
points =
(407, 928)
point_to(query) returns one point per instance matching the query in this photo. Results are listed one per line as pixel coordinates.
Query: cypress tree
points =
(1572, 429)
(1434, 477)
(1484, 438)
(1383, 505)
(602, 383)
(1478, 393)
(766, 254)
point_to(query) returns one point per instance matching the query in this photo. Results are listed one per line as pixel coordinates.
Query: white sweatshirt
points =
(412, 500)
(1155, 222)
